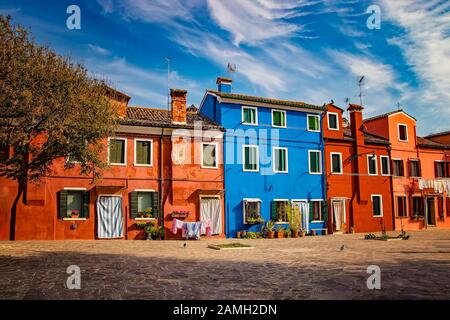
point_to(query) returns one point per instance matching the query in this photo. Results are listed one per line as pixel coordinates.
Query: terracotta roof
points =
(437, 134)
(286, 103)
(427, 143)
(368, 137)
(152, 117)
(352, 106)
(386, 115)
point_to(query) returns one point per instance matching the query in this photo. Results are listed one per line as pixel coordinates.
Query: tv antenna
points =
(168, 82)
(231, 68)
(399, 106)
(360, 84)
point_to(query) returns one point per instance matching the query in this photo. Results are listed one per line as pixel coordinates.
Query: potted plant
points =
(238, 234)
(294, 230)
(148, 213)
(279, 232)
(74, 214)
(286, 233)
(252, 220)
(302, 233)
(269, 229)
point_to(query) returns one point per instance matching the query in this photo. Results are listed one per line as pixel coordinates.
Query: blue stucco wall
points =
(265, 185)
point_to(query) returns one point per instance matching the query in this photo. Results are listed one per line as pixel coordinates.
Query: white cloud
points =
(98, 49)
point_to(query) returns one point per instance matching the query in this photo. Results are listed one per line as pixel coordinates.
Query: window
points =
(401, 207)
(209, 155)
(144, 204)
(333, 123)
(417, 207)
(315, 162)
(143, 150)
(280, 163)
(313, 123)
(249, 115)
(440, 170)
(279, 118)
(4, 153)
(336, 162)
(280, 210)
(414, 168)
(402, 132)
(447, 204)
(372, 165)
(252, 210)
(385, 170)
(117, 151)
(377, 205)
(251, 158)
(398, 167)
(73, 203)
(315, 207)
(440, 201)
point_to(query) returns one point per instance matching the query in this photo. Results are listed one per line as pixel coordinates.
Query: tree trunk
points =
(12, 221)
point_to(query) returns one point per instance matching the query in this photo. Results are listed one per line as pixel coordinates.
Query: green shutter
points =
(86, 197)
(133, 204)
(277, 118)
(62, 204)
(273, 212)
(311, 211)
(156, 204)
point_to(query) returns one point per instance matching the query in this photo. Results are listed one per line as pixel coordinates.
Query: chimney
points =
(118, 101)
(178, 105)
(224, 84)
(356, 123)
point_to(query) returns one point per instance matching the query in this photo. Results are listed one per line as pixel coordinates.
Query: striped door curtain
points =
(109, 217)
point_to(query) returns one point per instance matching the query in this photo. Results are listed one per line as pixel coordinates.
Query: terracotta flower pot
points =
(270, 234)
(294, 233)
(279, 234)
(238, 234)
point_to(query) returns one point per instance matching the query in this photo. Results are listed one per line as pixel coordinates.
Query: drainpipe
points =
(225, 206)
(161, 209)
(392, 188)
(324, 175)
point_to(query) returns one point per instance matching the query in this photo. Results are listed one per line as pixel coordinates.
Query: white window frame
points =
(307, 121)
(368, 166)
(285, 118)
(381, 205)
(388, 165)
(151, 152)
(321, 210)
(287, 159)
(125, 151)
(257, 157)
(250, 200)
(217, 158)
(256, 116)
(320, 161)
(406, 131)
(337, 120)
(340, 161)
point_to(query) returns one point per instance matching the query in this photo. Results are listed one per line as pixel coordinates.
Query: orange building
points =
(162, 163)
(420, 173)
(358, 181)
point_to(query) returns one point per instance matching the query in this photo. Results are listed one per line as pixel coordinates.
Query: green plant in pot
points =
(154, 232)
(279, 232)
(294, 230)
(269, 229)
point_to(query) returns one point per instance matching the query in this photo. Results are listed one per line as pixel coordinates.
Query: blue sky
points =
(310, 50)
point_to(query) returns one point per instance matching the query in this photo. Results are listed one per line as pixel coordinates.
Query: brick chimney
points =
(118, 101)
(224, 84)
(356, 123)
(178, 105)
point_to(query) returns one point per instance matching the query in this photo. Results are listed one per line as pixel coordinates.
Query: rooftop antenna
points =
(360, 84)
(168, 82)
(231, 69)
(347, 101)
(398, 106)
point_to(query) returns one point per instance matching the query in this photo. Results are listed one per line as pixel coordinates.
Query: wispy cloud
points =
(99, 49)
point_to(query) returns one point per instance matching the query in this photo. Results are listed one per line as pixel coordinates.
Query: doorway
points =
(210, 210)
(339, 216)
(109, 217)
(431, 215)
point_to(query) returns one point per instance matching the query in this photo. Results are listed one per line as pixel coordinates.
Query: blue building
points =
(273, 159)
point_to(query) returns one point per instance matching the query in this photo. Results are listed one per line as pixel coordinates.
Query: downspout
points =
(392, 188)
(161, 209)
(324, 175)
(225, 206)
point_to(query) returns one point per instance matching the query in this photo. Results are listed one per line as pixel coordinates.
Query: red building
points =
(358, 177)
(161, 162)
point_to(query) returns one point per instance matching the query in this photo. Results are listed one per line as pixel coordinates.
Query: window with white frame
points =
(279, 118)
(377, 205)
(372, 165)
(144, 204)
(209, 155)
(336, 162)
(249, 115)
(313, 122)
(251, 158)
(385, 167)
(315, 162)
(143, 150)
(402, 132)
(280, 209)
(333, 121)
(315, 207)
(117, 151)
(280, 160)
(252, 210)
(73, 203)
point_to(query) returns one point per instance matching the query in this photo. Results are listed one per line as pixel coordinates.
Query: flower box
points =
(180, 214)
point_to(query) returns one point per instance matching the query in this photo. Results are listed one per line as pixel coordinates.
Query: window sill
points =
(281, 222)
(316, 221)
(74, 219)
(144, 219)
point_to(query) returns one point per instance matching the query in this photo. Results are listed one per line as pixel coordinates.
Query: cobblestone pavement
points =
(304, 268)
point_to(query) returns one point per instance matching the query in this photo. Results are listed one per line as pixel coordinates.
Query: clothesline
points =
(438, 186)
(192, 230)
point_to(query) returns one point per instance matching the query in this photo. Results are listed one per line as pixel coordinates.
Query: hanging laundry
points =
(206, 227)
(192, 230)
(176, 224)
